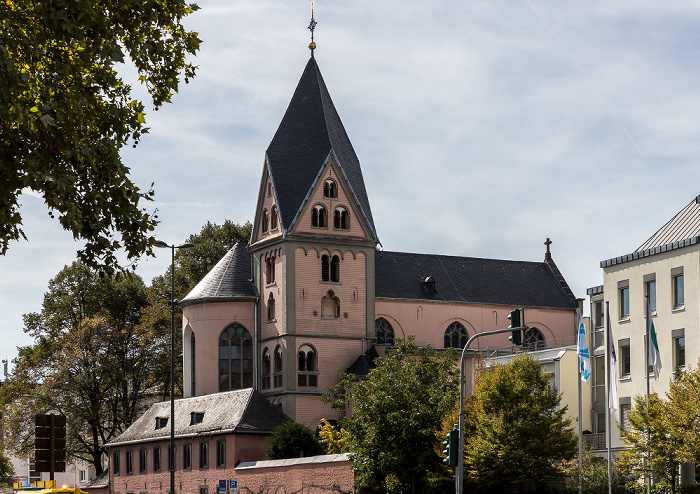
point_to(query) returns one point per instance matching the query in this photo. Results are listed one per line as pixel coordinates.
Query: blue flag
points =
(584, 358)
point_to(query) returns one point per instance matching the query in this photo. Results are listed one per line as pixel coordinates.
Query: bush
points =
(292, 440)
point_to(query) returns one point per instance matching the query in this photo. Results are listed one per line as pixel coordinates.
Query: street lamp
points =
(173, 304)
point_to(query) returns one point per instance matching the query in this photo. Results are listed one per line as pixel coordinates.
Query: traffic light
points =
(515, 322)
(451, 444)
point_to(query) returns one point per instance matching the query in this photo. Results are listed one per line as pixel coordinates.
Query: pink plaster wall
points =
(427, 321)
(317, 478)
(268, 203)
(207, 321)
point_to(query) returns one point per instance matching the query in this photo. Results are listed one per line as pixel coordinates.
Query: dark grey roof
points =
(230, 279)
(467, 279)
(99, 482)
(241, 411)
(364, 363)
(680, 231)
(310, 130)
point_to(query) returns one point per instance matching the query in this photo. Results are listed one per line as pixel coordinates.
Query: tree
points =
(333, 437)
(594, 474)
(7, 470)
(292, 440)
(521, 430)
(90, 361)
(396, 411)
(65, 113)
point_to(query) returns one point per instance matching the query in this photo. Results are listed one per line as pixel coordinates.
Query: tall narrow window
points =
(265, 220)
(203, 455)
(384, 331)
(273, 218)
(192, 355)
(235, 358)
(156, 459)
(678, 289)
(325, 268)
(340, 218)
(678, 336)
(623, 298)
(115, 463)
(221, 453)
(266, 368)
(456, 335)
(142, 461)
(599, 322)
(319, 217)
(307, 375)
(650, 290)
(171, 457)
(278, 367)
(625, 358)
(335, 269)
(270, 270)
(187, 457)
(271, 308)
(129, 462)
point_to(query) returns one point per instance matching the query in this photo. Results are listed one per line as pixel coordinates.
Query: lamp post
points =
(173, 304)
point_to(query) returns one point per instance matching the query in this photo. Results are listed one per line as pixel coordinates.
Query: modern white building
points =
(666, 268)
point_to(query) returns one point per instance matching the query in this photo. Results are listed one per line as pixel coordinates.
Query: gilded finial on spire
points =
(312, 26)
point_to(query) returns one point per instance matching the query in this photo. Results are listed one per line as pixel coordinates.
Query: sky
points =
(482, 129)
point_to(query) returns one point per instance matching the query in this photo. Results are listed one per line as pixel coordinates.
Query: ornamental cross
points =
(312, 24)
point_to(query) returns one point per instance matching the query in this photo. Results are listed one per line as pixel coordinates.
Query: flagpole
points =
(580, 428)
(646, 361)
(608, 382)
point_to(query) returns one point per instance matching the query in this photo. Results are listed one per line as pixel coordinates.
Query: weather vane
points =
(312, 26)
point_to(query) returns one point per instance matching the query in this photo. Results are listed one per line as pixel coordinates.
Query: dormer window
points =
(196, 418)
(330, 189)
(340, 218)
(161, 422)
(273, 218)
(429, 284)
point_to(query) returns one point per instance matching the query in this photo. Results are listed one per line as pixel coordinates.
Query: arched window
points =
(330, 189)
(266, 369)
(270, 270)
(235, 358)
(271, 308)
(384, 331)
(335, 269)
(265, 220)
(273, 218)
(340, 218)
(278, 367)
(534, 340)
(319, 217)
(307, 374)
(456, 335)
(330, 305)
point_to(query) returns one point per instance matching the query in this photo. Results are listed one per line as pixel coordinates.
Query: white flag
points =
(584, 358)
(612, 371)
(653, 345)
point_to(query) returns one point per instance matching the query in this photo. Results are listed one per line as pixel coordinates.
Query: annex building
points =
(267, 328)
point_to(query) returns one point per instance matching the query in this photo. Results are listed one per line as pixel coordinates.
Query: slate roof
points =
(229, 280)
(364, 363)
(680, 231)
(309, 132)
(401, 275)
(241, 411)
(99, 482)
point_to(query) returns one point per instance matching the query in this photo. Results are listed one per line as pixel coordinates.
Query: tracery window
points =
(235, 358)
(534, 340)
(319, 217)
(340, 218)
(330, 305)
(330, 189)
(266, 369)
(273, 218)
(308, 370)
(278, 367)
(384, 331)
(456, 335)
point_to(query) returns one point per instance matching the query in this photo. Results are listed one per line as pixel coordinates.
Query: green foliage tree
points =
(292, 440)
(65, 113)
(396, 412)
(594, 475)
(7, 470)
(90, 361)
(521, 430)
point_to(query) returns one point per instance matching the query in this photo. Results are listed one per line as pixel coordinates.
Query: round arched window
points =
(235, 358)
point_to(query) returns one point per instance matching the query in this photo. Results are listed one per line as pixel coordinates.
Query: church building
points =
(311, 293)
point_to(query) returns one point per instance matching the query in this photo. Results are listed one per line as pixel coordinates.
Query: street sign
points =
(233, 486)
(222, 486)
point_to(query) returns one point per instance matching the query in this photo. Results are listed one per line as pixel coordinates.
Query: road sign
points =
(222, 486)
(233, 486)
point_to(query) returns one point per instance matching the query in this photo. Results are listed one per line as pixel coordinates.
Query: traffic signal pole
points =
(459, 472)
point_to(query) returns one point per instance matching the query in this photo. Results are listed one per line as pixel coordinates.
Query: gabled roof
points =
(310, 131)
(401, 275)
(684, 225)
(241, 411)
(680, 231)
(229, 280)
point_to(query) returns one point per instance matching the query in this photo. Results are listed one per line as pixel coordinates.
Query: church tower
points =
(313, 246)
